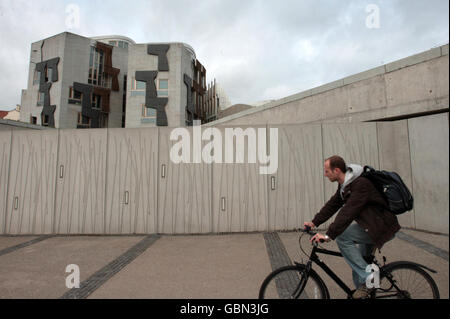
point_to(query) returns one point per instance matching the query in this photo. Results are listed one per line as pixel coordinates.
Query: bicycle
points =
(397, 280)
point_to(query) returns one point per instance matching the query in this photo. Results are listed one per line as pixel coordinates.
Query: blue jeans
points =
(354, 243)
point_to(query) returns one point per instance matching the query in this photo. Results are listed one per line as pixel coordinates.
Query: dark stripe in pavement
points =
(25, 244)
(94, 282)
(277, 252)
(424, 245)
(286, 282)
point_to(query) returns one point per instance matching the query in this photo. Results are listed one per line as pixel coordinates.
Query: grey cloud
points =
(256, 49)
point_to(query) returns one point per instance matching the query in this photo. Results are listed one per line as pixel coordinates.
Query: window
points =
(48, 74)
(138, 85)
(37, 77)
(148, 112)
(113, 43)
(96, 76)
(75, 96)
(44, 120)
(163, 87)
(33, 119)
(96, 101)
(84, 120)
(41, 98)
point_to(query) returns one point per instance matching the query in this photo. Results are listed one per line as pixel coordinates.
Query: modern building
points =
(111, 81)
(216, 101)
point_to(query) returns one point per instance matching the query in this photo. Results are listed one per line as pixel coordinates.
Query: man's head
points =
(335, 168)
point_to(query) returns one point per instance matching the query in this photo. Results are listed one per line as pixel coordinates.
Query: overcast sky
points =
(256, 49)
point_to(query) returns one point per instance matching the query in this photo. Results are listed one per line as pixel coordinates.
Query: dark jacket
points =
(361, 203)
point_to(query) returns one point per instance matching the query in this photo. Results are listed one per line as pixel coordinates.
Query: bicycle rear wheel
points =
(290, 282)
(412, 281)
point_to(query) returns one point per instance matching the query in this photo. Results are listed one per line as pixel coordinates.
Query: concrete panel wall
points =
(296, 189)
(429, 145)
(239, 195)
(78, 181)
(394, 154)
(184, 191)
(80, 198)
(5, 152)
(31, 187)
(419, 86)
(356, 143)
(412, 85)
(131, 190)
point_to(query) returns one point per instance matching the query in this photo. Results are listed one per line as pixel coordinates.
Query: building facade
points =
(110, 81)
(74, 82)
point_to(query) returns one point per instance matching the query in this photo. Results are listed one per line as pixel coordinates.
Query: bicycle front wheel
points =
(291, 282)
(406, 281)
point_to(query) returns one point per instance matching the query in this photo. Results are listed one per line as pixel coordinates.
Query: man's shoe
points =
(362, 292)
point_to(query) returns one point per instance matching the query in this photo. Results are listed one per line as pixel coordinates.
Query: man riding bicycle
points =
(362, 223)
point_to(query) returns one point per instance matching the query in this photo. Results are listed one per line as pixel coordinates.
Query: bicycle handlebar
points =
(308, 231)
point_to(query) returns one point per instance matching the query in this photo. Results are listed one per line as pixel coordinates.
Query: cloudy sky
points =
(256, 49)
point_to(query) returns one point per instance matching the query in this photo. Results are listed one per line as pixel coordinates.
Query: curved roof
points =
(114, 37)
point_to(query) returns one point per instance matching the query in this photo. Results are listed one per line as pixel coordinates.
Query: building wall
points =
(76, 69)
(138, 60)
(76, 65)
(74, 52)
(52, 47)
(187, 58)
(97, 175)
(416, 84)
(180, 61)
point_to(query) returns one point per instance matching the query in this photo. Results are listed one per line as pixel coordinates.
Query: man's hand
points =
(318, 237)
(309, 224)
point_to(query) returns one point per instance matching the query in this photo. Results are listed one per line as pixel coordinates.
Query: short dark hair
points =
(337, 162)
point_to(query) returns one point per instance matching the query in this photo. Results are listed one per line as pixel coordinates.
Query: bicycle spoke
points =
(410, 281)
(291, 283)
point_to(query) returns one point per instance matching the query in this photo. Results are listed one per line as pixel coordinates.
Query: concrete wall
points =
(51, 48)
(131, 180)
(122, 181)
(31, 182)
(73, 51)
(81, 180)
(428, 142)
(76, 69)
(416, 84)
(7, 125)
(180, 62)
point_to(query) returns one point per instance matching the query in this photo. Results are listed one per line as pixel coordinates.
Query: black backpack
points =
(391, 186)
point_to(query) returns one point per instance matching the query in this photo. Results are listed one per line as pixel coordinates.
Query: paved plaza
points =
(224, 266)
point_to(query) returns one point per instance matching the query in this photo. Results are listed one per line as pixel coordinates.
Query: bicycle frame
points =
(315, 258)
